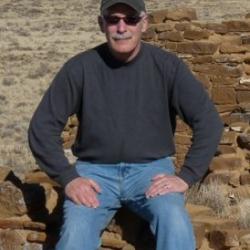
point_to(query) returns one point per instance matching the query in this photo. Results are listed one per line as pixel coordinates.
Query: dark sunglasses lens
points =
(130, 20)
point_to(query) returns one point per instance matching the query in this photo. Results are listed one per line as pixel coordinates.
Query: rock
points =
(196, 34)
(38, 176)
(245, 241)
(4, 172)
(158, 16)
(161, 27)
(112, 240)
(243, 96)
(15, 223)
(173, 36)
(197, 48)
(226, 163)
(182, 26)
(202, 59)
(226, 149)
(10, 240)
(224, 95)
(245, 39)
(238, 126)
(199, 210)
(12, 202)
(245, 179)
(216, 70)
(228, 48)
(228, 138)
(217, 28)
(182, 15)
(227, 108)
(244, 141)
(182, 139)
(199, 230)
(237, 26)
(37, 237)
(150, 34)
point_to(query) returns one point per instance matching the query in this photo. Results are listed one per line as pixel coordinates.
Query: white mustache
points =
(121, 36)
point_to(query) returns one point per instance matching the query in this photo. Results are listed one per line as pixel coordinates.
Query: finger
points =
(158, 176)
(157, 184)
(95, 186)
(89, 195)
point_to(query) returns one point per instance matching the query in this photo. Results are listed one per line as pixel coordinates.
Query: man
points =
(126, 95)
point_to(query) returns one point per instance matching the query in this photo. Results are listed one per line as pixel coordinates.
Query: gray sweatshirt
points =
(127, 113)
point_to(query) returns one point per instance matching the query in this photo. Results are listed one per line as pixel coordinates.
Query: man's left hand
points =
(164, 184)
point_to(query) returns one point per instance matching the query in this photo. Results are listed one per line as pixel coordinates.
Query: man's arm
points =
(191, 102)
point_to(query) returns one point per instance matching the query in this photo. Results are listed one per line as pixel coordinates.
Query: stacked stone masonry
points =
(218, 53)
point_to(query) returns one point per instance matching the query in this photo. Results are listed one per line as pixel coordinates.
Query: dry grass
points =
(213, 195)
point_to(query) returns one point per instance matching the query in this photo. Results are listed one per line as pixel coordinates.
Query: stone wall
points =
(219, 55)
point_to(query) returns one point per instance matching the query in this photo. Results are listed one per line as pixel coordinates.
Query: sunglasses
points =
(129, 20)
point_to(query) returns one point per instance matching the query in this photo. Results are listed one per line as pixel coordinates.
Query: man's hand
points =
(83, 191)
(163, 184)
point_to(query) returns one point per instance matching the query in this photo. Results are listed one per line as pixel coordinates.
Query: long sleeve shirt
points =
(126, 112)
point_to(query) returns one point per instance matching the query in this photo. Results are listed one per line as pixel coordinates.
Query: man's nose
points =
(121, 26)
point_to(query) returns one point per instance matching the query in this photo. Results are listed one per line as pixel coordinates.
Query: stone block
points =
(228, 138)
(243, 96)
(174, 36)
(182, 15)
(217, 28)
(182, 139)
(221, 163)
(171, 46)
(196, 34)
(10, 239)
(224, 95)
(239, 126)
(227, 108)
(38, 237)
(158, 16)
(229, 58)
(246, 69)
(245, 179)
(245, 241)
(222, 178)
(218, 71)
(245, 39)
(226, 149)
(199, 231)
(237, 26)
(228, 48)
(244, 141)
(12, 202)
(161, 27)
(149, 35)
(204, 79)
(202, 59)
(4, 172)
(182, 26)
(219, 80)
(197, 48)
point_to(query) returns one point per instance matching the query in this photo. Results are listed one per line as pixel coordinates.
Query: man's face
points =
(123, 28)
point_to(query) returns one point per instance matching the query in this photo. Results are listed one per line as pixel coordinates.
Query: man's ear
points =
(145, 23)
(101, 24)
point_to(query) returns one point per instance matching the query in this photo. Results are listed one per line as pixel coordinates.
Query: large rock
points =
(228, 48)
(224, 95)
(238, 26)
(243, 96)
(196, 34)
(10, 240)
(182, 15)
(173, 36)
(12, 201)
(197, 48)
(222, 163)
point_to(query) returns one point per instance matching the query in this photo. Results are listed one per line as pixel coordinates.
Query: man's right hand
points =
(83, 191)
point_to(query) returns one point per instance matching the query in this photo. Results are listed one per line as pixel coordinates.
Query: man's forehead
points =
(121, 8)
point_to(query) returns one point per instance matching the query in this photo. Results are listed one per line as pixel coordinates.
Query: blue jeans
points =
(126, 184)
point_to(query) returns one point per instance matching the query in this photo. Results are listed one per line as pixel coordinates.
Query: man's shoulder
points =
(88, 56)
(161, 55)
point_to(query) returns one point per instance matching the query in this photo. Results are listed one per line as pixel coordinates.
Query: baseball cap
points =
(138, 5)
